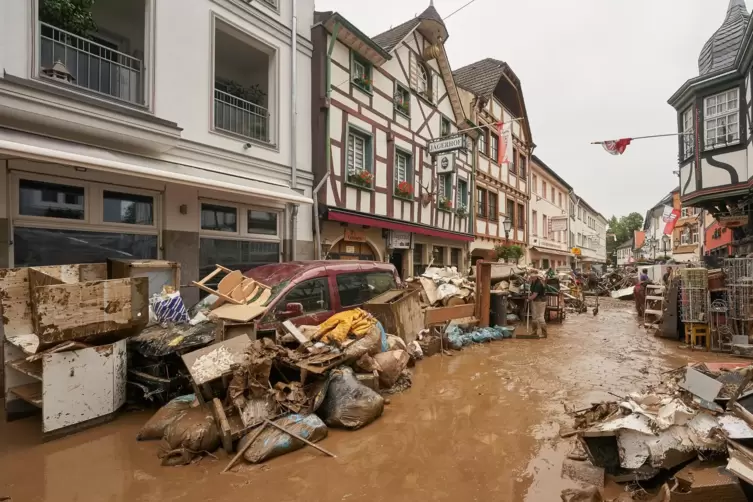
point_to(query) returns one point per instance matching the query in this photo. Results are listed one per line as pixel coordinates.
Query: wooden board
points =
(71, 311)
(159, 272)
(444, 314)
(32, 369)
(240, 313)
(222, 425)
(31, 393)
(15, 301)
(236, 346)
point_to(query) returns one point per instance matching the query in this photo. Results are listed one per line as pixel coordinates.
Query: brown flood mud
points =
(480, 425)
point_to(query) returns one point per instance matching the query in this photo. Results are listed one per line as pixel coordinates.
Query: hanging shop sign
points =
(352, 235)
(558, 224)
(399, 240)
(576, 251)
(445, 163)
(733, 221)
(447, 144)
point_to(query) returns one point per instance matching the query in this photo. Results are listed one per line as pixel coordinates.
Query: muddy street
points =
(482, 424)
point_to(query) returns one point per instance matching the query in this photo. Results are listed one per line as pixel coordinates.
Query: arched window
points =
(423, 80)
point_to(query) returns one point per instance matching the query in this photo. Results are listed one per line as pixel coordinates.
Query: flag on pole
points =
(670, 217)
(616, 147)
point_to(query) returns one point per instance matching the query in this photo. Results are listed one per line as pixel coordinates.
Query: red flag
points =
(670, 220)
(616, 147)
(499, 127)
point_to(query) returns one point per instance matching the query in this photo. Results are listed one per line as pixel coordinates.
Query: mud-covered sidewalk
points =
(480, 425)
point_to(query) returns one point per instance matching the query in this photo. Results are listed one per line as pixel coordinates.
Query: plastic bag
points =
(169, 308)
(348, 403)
(155, 427)
(273, 442)
(395, 343)
(195, 431)
(370, 344)
(392, 363)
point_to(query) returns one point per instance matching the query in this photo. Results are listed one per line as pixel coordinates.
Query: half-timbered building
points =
(395, 176)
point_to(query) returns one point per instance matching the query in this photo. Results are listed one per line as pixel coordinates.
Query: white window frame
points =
(242, 232)
(93, 208)
(271, 4)
(688, 140)
(730, 117)
(423, 81)
(459, 194)
(535, 223)
(368, 161)
(407, 174)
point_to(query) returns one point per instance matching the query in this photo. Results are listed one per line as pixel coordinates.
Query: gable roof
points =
(392, 37)
(721, 50)
(627, 244)
(482, 78)
(349, 35)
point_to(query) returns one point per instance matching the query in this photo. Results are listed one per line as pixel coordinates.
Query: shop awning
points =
(43, 149)
(357, 219)
(550, 251)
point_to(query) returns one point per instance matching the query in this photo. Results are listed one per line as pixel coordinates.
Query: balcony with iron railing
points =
(90, 65)
(240, 117)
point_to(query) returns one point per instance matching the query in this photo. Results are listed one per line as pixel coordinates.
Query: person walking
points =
(537, 301)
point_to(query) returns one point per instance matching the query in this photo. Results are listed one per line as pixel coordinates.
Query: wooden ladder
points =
(654, 306)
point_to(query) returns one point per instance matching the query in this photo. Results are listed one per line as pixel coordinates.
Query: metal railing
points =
(94, 66)
(241, 117)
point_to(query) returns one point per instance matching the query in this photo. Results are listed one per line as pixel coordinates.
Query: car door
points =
(314, 295)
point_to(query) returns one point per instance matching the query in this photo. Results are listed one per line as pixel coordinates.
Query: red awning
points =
(400, 227)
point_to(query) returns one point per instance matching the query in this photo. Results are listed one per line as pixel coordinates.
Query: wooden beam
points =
(440, 315)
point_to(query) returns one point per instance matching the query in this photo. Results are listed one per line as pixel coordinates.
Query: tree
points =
(623, 230)
(73, 16)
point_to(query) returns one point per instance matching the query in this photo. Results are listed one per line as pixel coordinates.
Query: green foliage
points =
(512, 253)
(73, 16)
(252, 93)
(622, 230)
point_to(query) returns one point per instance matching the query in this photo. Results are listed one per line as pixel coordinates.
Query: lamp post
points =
(653, 242)
(507, 225)
(665, 242)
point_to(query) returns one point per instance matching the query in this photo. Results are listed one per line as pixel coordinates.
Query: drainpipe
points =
(327, 137)
(317, 231)
(294, 131)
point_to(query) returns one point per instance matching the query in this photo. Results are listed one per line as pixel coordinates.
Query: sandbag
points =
(273, 442)
(348, 403)
(155, 427)
(392, 363)
(195, 431)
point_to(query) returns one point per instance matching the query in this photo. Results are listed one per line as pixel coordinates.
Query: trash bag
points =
(415, 350)
(195, 431)
(348, 403)
(392, 363)
(367, 364)
(370, 344)
(395, 343)
(273, 442)
(155, 427)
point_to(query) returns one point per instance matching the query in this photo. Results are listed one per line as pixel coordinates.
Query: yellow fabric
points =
(337, 328)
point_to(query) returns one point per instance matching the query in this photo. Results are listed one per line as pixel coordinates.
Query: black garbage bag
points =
(348, 403)
(272, 442)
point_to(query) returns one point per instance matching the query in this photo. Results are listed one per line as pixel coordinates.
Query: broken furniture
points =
(50, 310)
(399, 311)
(654, 307)
(215, 362)
(234, 288)
(555, 307)
(697, 335)
(160, 273)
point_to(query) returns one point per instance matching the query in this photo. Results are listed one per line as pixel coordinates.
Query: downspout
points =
(294, 132)
(327, 138)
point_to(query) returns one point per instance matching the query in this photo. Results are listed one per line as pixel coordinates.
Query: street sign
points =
(558, 224)
(447, 144)
(576, 251)
(399, 240)
(445, 163)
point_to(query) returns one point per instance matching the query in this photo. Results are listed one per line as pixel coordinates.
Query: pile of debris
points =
(444, 287)
(697, 420)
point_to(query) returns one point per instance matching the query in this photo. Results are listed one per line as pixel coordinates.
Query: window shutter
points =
(351, 153)
(435, 87)
(413, 70)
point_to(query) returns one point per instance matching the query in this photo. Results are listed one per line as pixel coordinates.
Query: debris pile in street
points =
(698, 418)
(445, 287)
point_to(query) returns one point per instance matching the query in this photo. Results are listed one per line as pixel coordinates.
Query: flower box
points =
(361, 178)
(404, 190)
(445, 204)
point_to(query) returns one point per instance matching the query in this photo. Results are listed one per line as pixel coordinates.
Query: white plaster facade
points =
(159, 128)
(550, 204)
(588, 232)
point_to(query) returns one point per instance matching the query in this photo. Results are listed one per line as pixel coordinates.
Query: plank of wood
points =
(483, 292)
(240, 313)
(443, 314)
(16, 301)
(222, 425)
(245, 447)
(293, 330)
(236, 346)
(70, 311)
(31, 393)
(32, 369)
(262, 298)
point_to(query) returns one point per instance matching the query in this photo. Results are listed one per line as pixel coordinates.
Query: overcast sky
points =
(590, 70)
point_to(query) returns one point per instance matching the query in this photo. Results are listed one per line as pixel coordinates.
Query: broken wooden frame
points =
(235, 288)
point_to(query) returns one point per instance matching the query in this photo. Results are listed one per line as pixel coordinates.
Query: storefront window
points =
(128, 208)
(455, 258)
(439, 256)
(50, 200)
(219, 218)
(418, 259)
(45, 246)
(262, 222)
(236, 254)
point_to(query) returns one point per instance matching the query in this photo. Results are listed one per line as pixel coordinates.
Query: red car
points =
(310, 292)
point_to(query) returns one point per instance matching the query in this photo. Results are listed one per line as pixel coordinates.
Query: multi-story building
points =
(397, 176)
(718, 241)
(548, 222)
(588, 234)
(624, 253)
(688, 236)
(492, 98)
(162, 129)
(714, 112)
(656, 243)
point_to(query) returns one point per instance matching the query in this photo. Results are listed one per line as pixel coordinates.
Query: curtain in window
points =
(401, 168)
(356, 153)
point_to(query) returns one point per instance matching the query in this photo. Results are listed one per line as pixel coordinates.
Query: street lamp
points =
(507, 225)
(653, 242)
(665, 241)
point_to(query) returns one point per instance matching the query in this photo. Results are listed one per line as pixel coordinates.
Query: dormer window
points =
(722, 119)
(423, 81)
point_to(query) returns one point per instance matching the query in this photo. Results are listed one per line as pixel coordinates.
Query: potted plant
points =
(403, 106)
(461, 211)
(445, 204)
(502, 252)
(516, 253)
(362, 178)
(363, 81)
(404, 190)
(509, 253)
